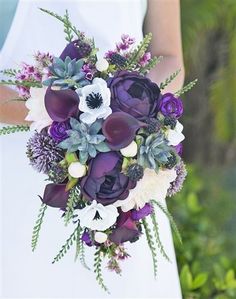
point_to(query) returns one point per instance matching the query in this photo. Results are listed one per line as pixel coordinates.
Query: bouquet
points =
(108, 141)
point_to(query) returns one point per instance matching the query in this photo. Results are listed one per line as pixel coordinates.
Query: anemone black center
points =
(97, 216)
(94, 100)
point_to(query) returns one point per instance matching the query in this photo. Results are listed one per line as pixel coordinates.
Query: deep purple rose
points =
(169, 105)
(134, 94)
(126, 229)
(58, 130)
(136, 215)
(104, 182)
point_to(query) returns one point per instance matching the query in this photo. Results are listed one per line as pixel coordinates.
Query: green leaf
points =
(199, 280)
(37, 227)
(186, 88)
(14, 129)
(186, 278)
(74, 197)
(163, 85)
(98, 270)
(230, 275)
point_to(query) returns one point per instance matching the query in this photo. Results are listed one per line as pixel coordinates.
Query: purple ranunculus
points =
(169, 105)
(104, 182)
(120, 129)
(134, 94)
(56, 196)
(58, 130)
(126, 229)
(61, 104)
(137, 215)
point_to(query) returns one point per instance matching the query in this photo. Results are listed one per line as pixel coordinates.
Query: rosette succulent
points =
(153, 151)
(66, 74)
(85, 139)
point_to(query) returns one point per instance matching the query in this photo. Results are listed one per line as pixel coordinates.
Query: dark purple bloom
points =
(61, 104)
(104, 182)
(136, 215)
(134, 94)
(179, 149)
(126, 229)
(76, 49)
(58, 130)
(169, 105)
(120, 129)
(86, 238)
(56, 196)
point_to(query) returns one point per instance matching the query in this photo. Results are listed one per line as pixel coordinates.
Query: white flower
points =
(94, 101)
(77, 170)
(152, 186)
(102, 65)
(100, 237)
(37, 111)
(130, 150)
(175, 136)
(98, 217)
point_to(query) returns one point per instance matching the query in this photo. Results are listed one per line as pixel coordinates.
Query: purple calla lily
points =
(56, 196)
(76, 49)
(120, 128)
(61, 104)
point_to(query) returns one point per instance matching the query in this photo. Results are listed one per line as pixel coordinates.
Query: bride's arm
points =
(163, 20)
(11, 112)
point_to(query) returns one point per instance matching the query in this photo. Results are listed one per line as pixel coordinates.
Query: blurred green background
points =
(205, 210)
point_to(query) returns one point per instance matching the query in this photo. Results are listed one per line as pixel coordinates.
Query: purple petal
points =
(71, 50)
(61, 104)
(119, 129)
(55, 196)
(123, 234)
(136, 215)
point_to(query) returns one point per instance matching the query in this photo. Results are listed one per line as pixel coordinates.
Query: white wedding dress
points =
(24, 274)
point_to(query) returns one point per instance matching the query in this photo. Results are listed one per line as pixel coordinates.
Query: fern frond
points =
(21, 83)
(151, 64)
(78, 242)
(157, 236)
(151, 245)
(98, 270)
(14, 129)
(10, 72)
(186, 88)
(37, 227)
(69, 242)
(73, 199)
(171, 219)
(170, 79)
(82, 256)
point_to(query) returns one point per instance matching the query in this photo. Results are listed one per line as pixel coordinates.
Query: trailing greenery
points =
(151, 245)
(9, 72)
(78, 242)
(82, 256)
(98, 269)
(14, 129)
(25, 83)
(37, 227)
(74, 197)
(157, 236)
(64, 249)
(169, 80)
(186, 88)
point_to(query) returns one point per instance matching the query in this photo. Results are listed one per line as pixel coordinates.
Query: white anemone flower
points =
(152, 186)
(37, 112)
(175, 136)
(94, 101)
(98, 217)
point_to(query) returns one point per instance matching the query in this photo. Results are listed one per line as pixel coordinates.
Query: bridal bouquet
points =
(108, 140)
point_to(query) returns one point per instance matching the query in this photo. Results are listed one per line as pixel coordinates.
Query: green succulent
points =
(66, 74)
(153, 151)
(85, 139)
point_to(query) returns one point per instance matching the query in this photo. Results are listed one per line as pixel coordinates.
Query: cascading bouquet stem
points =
(108, 140)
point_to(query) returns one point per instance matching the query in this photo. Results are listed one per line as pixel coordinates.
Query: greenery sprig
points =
(150, 65)
(186, 88)
(73, 199)
(14, 129)
(9, 72)
(82, 256)
(169, 79)
(98, 270)
(25, 83)
(37, 227)
(151, 245)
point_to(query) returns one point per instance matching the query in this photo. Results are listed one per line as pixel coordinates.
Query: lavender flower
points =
(176, 185)
(43, 152)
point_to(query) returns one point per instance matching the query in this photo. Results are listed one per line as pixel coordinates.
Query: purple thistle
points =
(177, 185)
(43, 152)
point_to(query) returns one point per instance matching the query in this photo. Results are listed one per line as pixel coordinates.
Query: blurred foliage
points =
(205, 211)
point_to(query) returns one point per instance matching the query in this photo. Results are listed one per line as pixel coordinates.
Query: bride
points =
(27, 275)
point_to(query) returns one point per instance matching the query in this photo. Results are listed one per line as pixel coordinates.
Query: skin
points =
(163, 20)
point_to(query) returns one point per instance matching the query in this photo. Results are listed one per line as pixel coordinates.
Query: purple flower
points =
(126, 42)
(61, 104)
(134, 94)
(145, 59)
(179, 149)
(56, 196)
(136, 215)
(86, 238)
(119, 129)
(104, 182)
(126, 229)
(177, 185)
(76, 49)
(169, 105)
(58, 130)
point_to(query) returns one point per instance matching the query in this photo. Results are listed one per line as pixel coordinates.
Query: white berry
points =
(100, 237)
(102, 65)
(77, 170)
(130, 150)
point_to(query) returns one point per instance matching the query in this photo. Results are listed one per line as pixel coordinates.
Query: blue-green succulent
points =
(153, 151)
(85, 139)
(66, 74)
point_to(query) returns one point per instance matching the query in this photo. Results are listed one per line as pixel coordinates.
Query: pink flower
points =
(145, 59)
